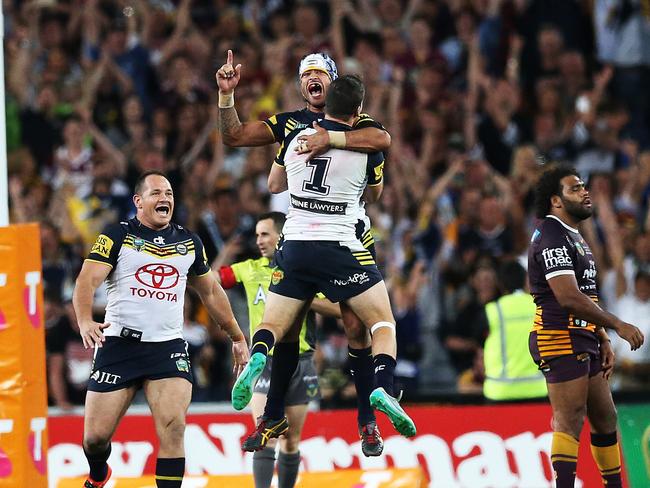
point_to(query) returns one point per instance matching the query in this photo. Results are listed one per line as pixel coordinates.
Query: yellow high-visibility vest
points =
(510, 373)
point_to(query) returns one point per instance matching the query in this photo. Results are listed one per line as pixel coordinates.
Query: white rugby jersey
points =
(325, 192)
(146, 287)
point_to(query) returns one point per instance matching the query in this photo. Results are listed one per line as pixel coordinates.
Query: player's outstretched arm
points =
(216, 301)
(235, 133)
(92, 275)
(566, 291)
(367, 140)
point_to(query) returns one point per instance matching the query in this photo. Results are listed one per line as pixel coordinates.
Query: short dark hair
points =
(344, 96)
(140, 183)
(548, 186)
(278, 219)
(512, 276)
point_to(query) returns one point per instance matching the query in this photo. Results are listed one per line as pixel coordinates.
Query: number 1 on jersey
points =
(316, 184)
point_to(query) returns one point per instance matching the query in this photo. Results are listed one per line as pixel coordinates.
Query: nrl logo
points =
(183, 365)
(138, 244)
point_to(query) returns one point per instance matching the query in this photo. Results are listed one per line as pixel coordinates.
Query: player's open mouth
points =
(315, 89)
(163, 209)
(587, 202)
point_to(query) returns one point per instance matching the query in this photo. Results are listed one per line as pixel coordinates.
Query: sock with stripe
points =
(262, 341)
(263, 467)
(362, 373)
(97, 463)
(169, 472)
(288, 465)
(285, 362)
(564, 457)
(384, 372)
(606, 453)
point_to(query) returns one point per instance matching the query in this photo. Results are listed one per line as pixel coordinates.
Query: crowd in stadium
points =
(477, 95)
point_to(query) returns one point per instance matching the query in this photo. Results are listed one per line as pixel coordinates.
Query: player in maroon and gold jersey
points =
(568, 340)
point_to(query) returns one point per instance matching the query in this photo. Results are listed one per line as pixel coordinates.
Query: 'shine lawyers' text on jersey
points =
(146, 286)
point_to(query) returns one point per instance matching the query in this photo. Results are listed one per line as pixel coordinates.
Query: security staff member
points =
(509, 373)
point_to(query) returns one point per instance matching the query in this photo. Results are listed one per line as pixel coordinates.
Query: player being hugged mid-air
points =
(568, 341)
(321, 252)
(146, 263)
(315, 73)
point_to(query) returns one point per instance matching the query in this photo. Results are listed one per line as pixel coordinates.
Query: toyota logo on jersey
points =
(159, 276)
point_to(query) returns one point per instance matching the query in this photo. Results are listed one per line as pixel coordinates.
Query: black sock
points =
(384, 372)
(285, 362)
(362, 373)
(262, 341)
(169, 472)
(288, 466)
(97, 462)
(263, 466)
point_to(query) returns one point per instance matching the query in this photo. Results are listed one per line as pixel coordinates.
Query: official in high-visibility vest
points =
(509, 372)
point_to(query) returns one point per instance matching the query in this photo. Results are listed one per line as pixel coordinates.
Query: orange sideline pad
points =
(346, 478)
(23, 396)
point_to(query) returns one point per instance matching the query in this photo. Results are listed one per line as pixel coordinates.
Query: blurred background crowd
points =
(478, 96)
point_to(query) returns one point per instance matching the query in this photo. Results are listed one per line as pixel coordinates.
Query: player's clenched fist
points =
(228, 75)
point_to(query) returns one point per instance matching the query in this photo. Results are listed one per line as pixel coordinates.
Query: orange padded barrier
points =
(23, 397)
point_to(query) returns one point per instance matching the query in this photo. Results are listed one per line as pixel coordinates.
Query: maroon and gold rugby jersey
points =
(558, 249)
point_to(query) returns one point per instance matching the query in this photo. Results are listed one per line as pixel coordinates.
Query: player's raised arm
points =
(91, 276)
(234, 133)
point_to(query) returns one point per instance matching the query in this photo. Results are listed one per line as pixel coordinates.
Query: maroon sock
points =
(564, 457)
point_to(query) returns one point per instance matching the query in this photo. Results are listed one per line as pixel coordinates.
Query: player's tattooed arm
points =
(235, 133)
